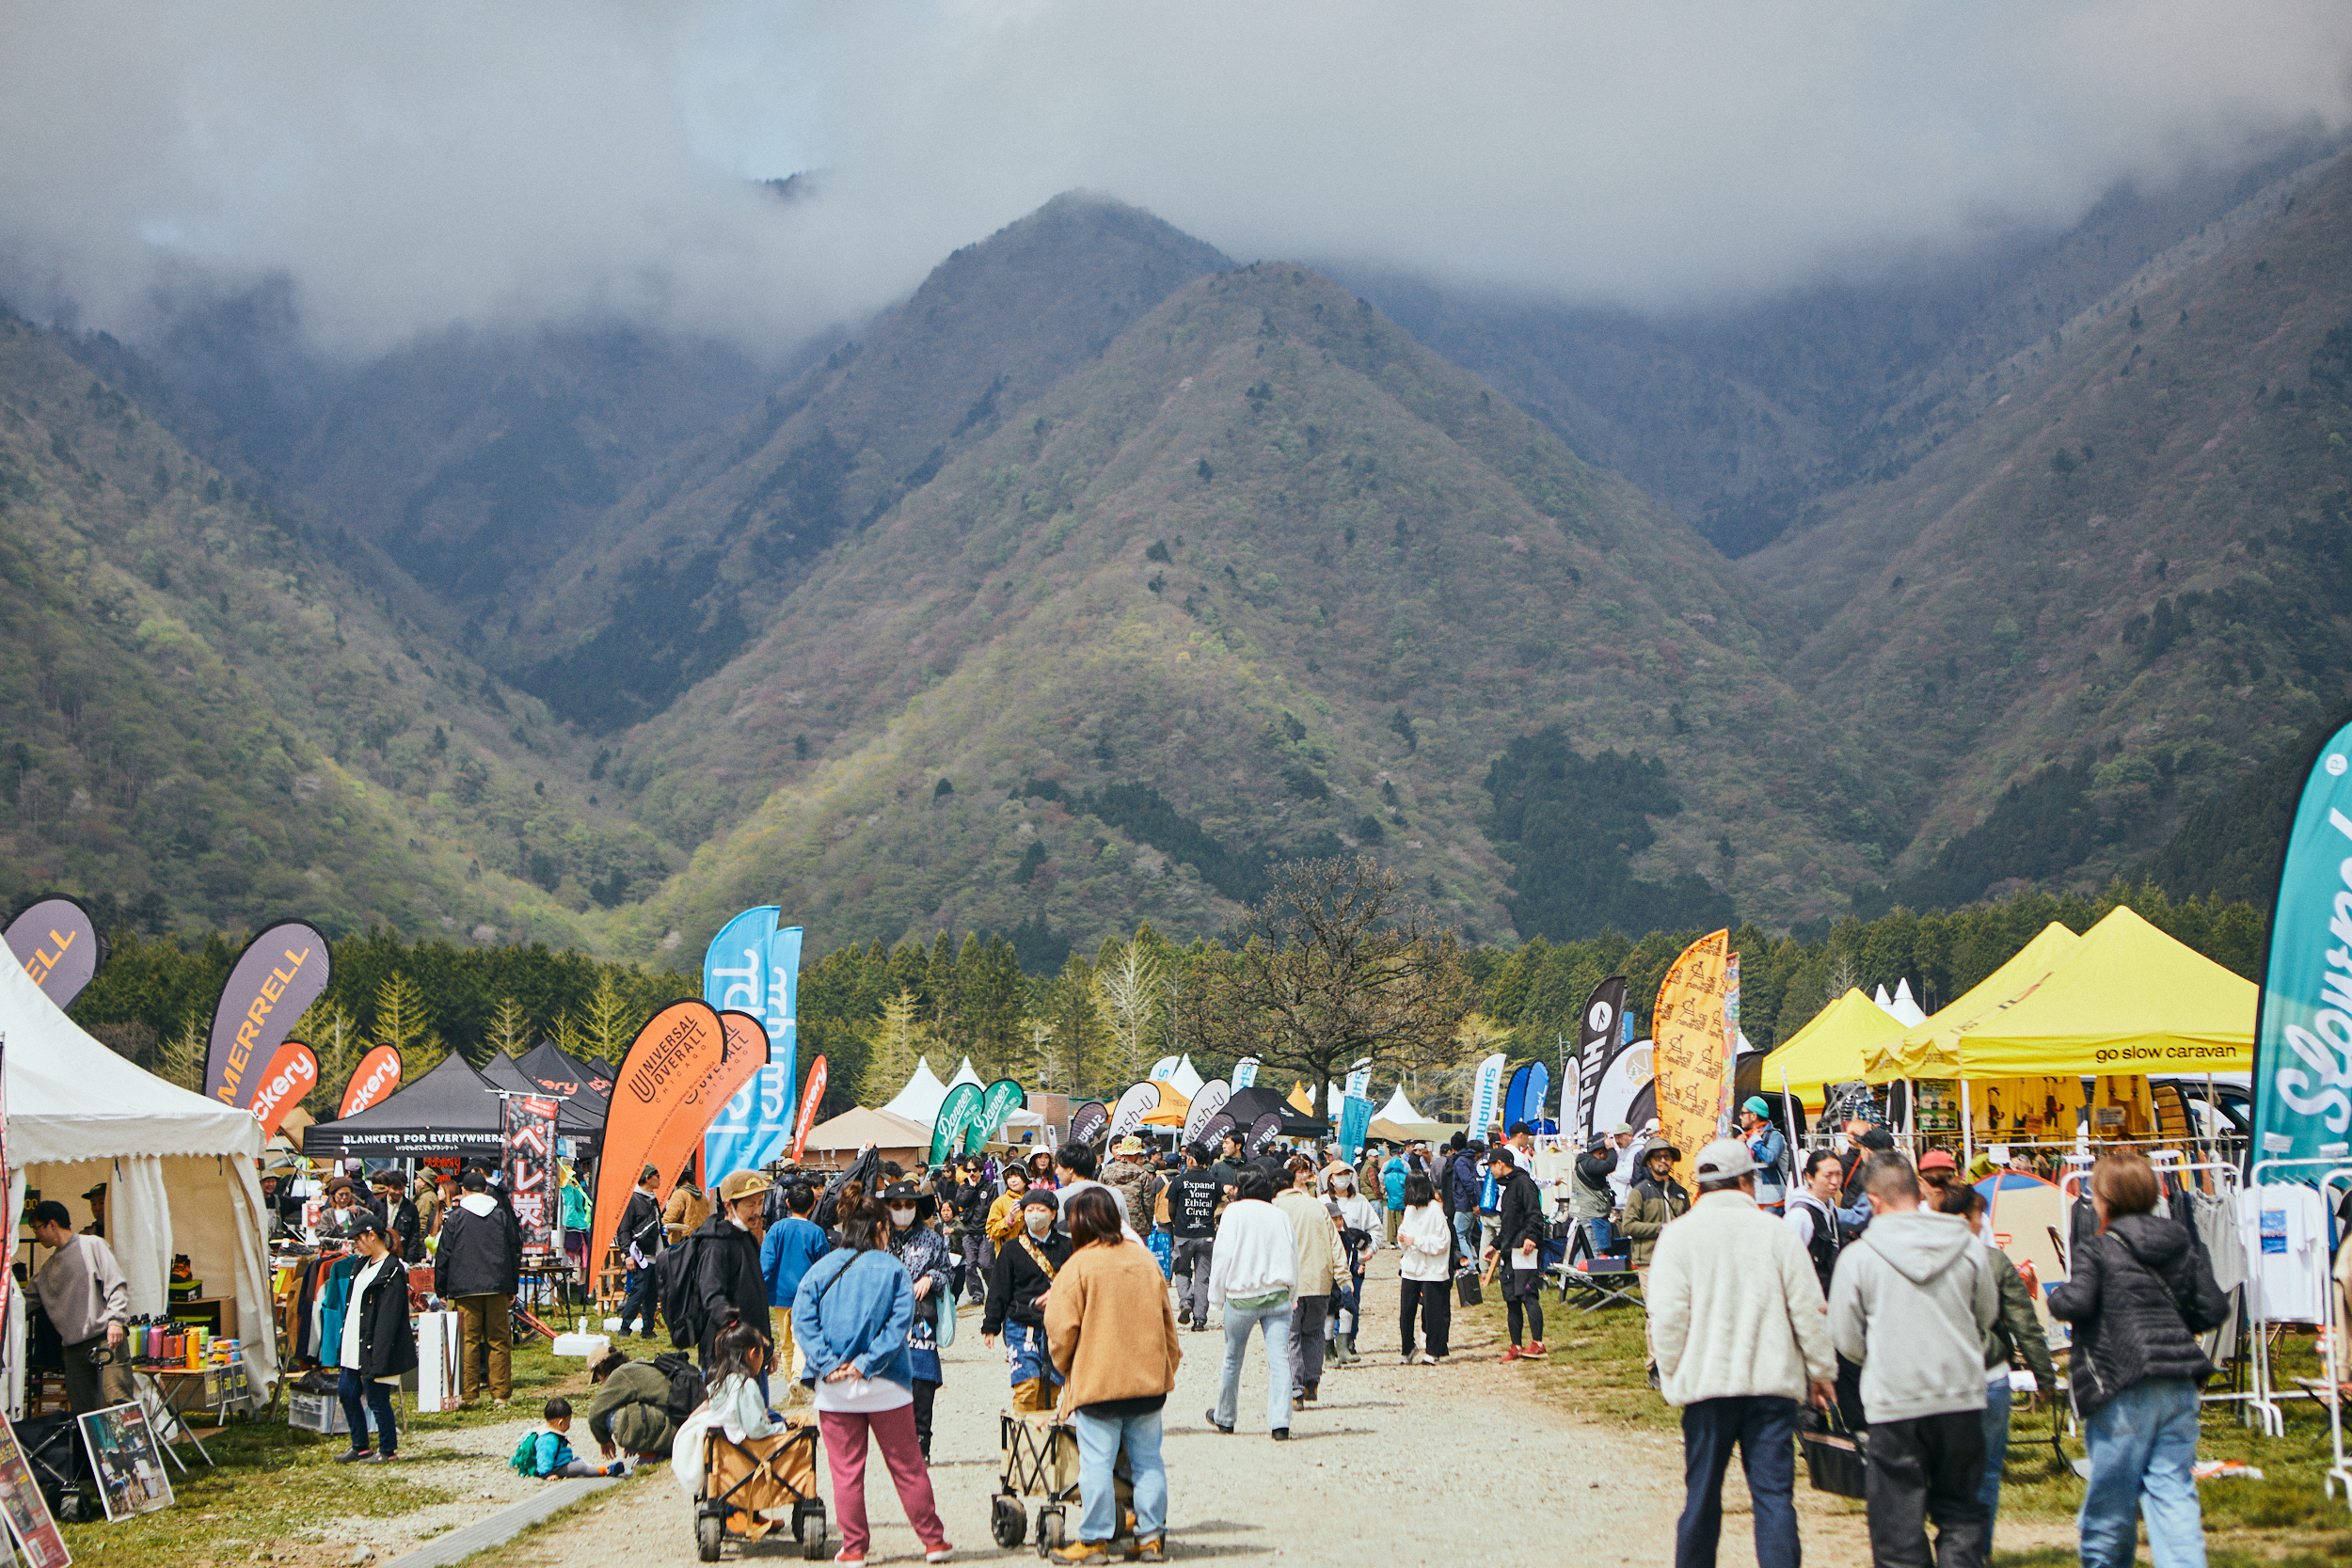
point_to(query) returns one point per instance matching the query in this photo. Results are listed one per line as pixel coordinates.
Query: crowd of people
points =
(1848, 1282)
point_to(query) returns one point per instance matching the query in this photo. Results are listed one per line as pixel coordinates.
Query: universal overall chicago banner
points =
(2303, 1043)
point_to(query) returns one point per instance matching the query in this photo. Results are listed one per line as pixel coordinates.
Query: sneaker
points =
(849, 1559)
(1184, 1314)
(1313, 1390)
(1219, 1425)
(353, 1456)
(1535, 1347)
(1513, 1354)
(1426, 1359)
(1281, 1434)
(378, 1459)
(1153, 1550)
(941, 1554)
(1081, 1551)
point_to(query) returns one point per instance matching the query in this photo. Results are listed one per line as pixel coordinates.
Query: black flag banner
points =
(277, 978)
(1600, 1033)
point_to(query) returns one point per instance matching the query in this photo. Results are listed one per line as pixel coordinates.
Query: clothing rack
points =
(2333, 1173)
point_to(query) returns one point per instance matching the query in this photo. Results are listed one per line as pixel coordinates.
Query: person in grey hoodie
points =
(1911, 1303)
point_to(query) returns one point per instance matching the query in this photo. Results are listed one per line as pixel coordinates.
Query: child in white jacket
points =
(1425, 1271)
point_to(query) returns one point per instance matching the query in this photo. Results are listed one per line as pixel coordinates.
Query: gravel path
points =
(1397, 1463)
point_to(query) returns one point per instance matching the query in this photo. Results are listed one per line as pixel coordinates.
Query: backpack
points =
(525, 1459)
(685, 1385)
(673, 1269)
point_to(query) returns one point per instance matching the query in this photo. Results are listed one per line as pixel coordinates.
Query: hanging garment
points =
(2284, 1229)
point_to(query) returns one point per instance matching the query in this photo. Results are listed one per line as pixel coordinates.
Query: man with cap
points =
(725, 1284)
(1590, 1199)
(1628, 1148)
(638, 1240)
(1938, 1170)
(1863, 1140)
(475, 1268)
(1018, 1285)
(1736, 1331)
(1518, 1249)
(1194, 1199)
(1769, 1149)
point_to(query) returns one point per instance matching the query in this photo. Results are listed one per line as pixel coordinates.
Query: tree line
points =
(1335, 963)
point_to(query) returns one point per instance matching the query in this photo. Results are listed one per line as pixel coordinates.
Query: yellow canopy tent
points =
(2130, 1000)
(1931, 1047)
(1300, 1099)
(1830, 1049)
(1173, 1107)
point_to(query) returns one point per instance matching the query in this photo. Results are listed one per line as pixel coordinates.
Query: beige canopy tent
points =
(894, 1137)
(179, 1169)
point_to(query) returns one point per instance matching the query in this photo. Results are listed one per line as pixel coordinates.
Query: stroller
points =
(746, 1485)
(1040, 1460)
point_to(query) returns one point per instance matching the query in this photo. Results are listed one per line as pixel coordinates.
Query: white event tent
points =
(919, 1101)
(179, 1169)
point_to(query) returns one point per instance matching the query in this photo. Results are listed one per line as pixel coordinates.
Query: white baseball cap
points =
(1725, 1160)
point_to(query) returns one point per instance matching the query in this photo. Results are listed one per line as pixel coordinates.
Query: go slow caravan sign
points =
(2303, 1034)
(275, 980)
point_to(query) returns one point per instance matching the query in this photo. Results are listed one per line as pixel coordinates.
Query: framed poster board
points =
(25, 1509)
(124, 1458)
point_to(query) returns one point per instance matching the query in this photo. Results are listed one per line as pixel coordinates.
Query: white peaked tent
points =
(963, 1075)
(919, 1101)
(1186, 1080)
(1399, 1109)
(1884, 1000)
(1905, 1006)
(180, 1170)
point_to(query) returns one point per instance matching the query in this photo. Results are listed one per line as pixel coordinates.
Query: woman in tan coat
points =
(1111, 1330)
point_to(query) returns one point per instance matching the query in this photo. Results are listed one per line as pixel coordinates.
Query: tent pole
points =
(1967, 1130)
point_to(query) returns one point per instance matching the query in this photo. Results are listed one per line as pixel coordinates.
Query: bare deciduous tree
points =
(1332, 967)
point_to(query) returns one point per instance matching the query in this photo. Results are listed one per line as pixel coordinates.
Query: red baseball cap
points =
(1938, 1159)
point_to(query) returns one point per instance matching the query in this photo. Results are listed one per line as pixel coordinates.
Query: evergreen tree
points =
(896, 1042)
(510, 1028)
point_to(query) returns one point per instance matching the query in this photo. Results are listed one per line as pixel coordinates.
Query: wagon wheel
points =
(709, 1533)
(1008, 1521)
(813, 1544)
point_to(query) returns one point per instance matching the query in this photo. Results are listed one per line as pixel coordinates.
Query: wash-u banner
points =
(754, 967)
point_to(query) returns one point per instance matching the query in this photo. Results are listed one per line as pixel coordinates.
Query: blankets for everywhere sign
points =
(528, 1124)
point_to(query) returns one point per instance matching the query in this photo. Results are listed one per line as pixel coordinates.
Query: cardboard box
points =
(323, 1413)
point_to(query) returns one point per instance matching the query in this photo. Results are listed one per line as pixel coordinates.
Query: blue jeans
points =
(1276, 1322)
(1100, 1440)
(642, 1300)
(2143, 1443)
(1602, 1234)
(1765, 1428)
(1996, 1398)
(1466, 1233)
(364, 1397)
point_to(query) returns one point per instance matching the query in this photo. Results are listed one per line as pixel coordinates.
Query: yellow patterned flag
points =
(1689, 1059)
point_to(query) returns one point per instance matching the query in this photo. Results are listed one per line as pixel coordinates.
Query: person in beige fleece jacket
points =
(1109, 1328)
(1741, 1336)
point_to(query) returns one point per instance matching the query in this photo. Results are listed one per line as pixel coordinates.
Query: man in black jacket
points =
(725, 1284)
(638, 1242)
(1518, 1249)
(401, 1225)
(1194, 1199)
(475, 1269)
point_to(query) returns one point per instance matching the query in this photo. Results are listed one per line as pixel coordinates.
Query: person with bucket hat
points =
(1741, 1342)
(922, 1251)
(1769, 1149)
(1018, 1287)
(1656, 1201)
(724, 1284)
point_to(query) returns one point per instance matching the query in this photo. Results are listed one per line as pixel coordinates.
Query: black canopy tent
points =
(1249, 1104)
(449, 1112)
(573, 1119)
(557, 1070)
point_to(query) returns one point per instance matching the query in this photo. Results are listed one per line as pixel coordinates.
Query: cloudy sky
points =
(410, 167)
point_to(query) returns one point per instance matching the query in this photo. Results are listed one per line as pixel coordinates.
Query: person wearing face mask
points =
(377, 1345)
(1018, 1288)
(919, 1247)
